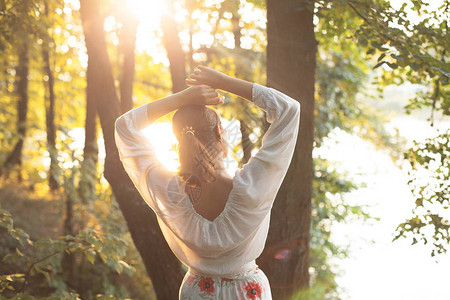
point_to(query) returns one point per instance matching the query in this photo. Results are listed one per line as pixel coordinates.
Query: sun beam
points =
(148, 12)
(164, 141)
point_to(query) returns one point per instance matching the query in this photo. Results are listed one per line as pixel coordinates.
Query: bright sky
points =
(379, 268)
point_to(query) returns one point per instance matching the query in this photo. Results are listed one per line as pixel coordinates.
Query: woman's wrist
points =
(226, 83)
(161, 107)
(238, 87)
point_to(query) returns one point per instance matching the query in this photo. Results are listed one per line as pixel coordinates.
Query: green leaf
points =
(414, 66)
(392, 65)
(363, 42)
(370, 51)
(379, 64)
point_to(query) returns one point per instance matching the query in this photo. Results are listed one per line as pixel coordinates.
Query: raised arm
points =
(218, 80)
(195, 95)
(260, 179)
(135, 150)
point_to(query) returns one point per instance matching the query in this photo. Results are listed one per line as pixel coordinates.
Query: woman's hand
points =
(201, 95)
(207, 76)
(217, 80)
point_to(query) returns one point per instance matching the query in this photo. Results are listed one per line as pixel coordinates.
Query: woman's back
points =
(213, 198)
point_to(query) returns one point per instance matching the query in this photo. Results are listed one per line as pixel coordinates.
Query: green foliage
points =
(17, 22)
(429, 182)
(403, 49)
(341, 77)
(42, 257)
(328, 207)
(414, 51)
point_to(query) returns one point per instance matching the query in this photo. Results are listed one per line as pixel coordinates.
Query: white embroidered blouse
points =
(230, 243)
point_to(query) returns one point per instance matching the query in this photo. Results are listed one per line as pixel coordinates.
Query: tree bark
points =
(190, 8)
(50, 111)
(162, 266)
(127, 47)
(291, 62)
(50, 122)
(68, 259)
(246, 143)
(22, 70)
(86, 187)
(174, 51)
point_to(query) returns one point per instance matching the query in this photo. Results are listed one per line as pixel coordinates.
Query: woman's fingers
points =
(218, 100)
(214, 99)
(195, 80)
(212, 95)
(203, 94)
(191, 82)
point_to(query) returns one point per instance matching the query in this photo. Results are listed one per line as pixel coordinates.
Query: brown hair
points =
(196, 128)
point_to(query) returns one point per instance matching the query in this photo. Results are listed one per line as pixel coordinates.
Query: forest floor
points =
(41, 215)
(37, 215)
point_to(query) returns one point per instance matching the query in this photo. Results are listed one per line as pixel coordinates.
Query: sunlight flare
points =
(162, 138)
(148, 12)
(165, 143)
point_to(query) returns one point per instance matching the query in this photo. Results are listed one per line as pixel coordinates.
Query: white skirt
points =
(252, 284)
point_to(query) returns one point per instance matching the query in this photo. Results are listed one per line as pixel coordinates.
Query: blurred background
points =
(363, 211)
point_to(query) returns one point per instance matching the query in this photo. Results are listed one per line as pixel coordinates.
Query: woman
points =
(215, 224)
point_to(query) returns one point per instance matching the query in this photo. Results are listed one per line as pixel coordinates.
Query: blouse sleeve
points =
(261, 178)
(139, 159)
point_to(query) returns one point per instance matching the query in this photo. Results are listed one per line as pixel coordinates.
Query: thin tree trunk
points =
(162, 266)
(235, 20)
(246, 143)
(90, 124)
(190, 8)
(86, 187)
(174, 51)
(127, 46)
(291, 62)
(22, 70)
(50, 112)
(68, 259)
(191, 46)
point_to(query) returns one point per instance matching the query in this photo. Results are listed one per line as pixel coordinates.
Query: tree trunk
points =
(50, 121)
(68, 259)
(22, 70)
(246, 143)
(50, 111)
(174, 52)
(162, 266)
(86, 187)
(190, 8)
(291, 62)
(127, 46)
